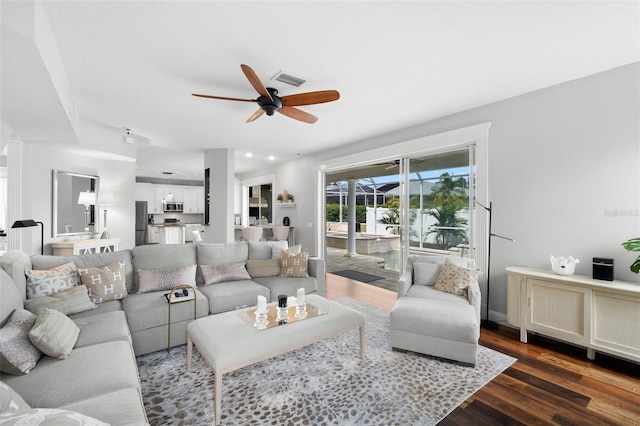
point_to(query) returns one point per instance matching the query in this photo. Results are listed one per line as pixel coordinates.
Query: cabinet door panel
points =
(559, 310)
(616, 322)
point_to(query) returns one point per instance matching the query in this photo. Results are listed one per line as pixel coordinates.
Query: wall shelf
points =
(285, 204)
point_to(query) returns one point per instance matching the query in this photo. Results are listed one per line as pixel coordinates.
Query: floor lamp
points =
(485, 322)
(27, 223)
(105, 200)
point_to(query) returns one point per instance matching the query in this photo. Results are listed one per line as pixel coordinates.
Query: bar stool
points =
(252, 233)
(280, 233)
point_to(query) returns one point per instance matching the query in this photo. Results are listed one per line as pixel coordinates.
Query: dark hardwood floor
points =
(551, 383)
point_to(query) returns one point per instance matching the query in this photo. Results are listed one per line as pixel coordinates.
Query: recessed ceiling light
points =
(271, 157)
(249, 154)
(287, 78)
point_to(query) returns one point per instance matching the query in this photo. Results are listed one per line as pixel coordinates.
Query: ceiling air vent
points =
(288, 79)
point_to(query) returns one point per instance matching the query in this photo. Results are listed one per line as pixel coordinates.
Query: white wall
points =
(564, 173)
(37, 197)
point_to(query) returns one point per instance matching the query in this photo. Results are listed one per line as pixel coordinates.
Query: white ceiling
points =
(395, 64)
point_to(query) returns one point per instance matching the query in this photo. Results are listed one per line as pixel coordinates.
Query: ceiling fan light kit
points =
(270, 102)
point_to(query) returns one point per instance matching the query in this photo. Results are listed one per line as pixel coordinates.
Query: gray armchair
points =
(434, 322)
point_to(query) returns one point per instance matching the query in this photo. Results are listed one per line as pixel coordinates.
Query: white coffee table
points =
(228, 341)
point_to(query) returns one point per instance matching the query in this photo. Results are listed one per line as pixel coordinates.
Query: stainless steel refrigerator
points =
(141, 223)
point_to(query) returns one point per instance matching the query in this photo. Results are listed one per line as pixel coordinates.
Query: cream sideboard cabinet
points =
(599, 315)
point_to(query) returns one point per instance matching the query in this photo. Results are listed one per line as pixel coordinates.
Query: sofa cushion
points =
(114, 305)
(47, 417)
(263, 268)
(106, 283)
(17, 354)
(214, 274)
(103, 327)
(153, 280)
(287, 286)
(262, 250)
(11, 298)
(76, 377)
(10, 399)
(152, 310)
(428, 292)
(121, 407)
(54, 334)
(89, 260)
(225, 297)
(71, 301)
(426, 273)
(294, 265)
(42, 283)
(162, 256)
(14, 263)
(455, 279)
(222, 253)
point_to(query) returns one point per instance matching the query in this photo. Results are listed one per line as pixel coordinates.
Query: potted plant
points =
(633, 245)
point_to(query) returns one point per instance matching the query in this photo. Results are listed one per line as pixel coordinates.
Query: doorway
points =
(409, 205)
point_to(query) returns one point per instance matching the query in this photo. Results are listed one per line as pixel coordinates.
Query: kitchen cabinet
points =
(142, 191)
(154, 234)
(599, 315)
(194, 200)
(172, 235)
(155, 198)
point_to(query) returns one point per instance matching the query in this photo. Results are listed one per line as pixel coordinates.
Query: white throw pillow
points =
(455, 279)
(54, 334)
(426, 273)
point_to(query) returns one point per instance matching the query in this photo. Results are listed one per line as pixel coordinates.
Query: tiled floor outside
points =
(337, 261)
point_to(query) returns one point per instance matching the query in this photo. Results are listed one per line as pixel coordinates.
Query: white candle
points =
(262, 305)
(300, 297)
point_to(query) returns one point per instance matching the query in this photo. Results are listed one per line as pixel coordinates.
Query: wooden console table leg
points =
(218, 413)
(362, 341)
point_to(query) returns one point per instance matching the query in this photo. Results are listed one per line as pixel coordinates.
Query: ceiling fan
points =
(270, 102)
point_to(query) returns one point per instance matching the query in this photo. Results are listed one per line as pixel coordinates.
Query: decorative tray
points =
(272, 319)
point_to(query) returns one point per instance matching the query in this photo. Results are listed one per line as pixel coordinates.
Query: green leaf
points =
(632, 245)
(635, 267)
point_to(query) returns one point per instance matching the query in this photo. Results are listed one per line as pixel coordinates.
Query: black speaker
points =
(603, 268)
(285, 221)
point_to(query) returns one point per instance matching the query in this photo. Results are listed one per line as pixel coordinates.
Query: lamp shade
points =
(24, 223)
(87, 198)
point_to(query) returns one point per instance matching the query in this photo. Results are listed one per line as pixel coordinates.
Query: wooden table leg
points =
(362, 341)
(189, 352)
(218, 413)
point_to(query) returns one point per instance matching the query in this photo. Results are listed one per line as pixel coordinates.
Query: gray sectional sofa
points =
(100, 377)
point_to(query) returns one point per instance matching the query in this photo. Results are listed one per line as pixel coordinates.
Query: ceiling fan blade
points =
(255, 115)
(298, 114)
(311, 98)
(255, 81)
(223, 98)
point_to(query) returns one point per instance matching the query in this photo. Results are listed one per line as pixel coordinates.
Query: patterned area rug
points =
(322, 384)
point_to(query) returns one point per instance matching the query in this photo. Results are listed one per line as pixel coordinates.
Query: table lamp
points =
(105, 199)
(87, 198)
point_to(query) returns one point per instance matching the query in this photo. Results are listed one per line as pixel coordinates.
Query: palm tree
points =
(448, 225)
(448, 190)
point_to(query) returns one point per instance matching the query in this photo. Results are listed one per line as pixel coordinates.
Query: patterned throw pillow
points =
(71, 301)
(106, 283)
(263, 268)
(54, 280)
(10, 399)
(455, 279)
(165, 279)
(54, 334)
(47, 416)
(294, 265)
(214, 274)
(17, 354)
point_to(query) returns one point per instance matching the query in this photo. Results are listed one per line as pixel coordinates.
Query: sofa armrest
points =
(475, 297)
(405, 280)
(316, 269)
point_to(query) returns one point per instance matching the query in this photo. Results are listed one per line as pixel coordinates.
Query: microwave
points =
(172, 206)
